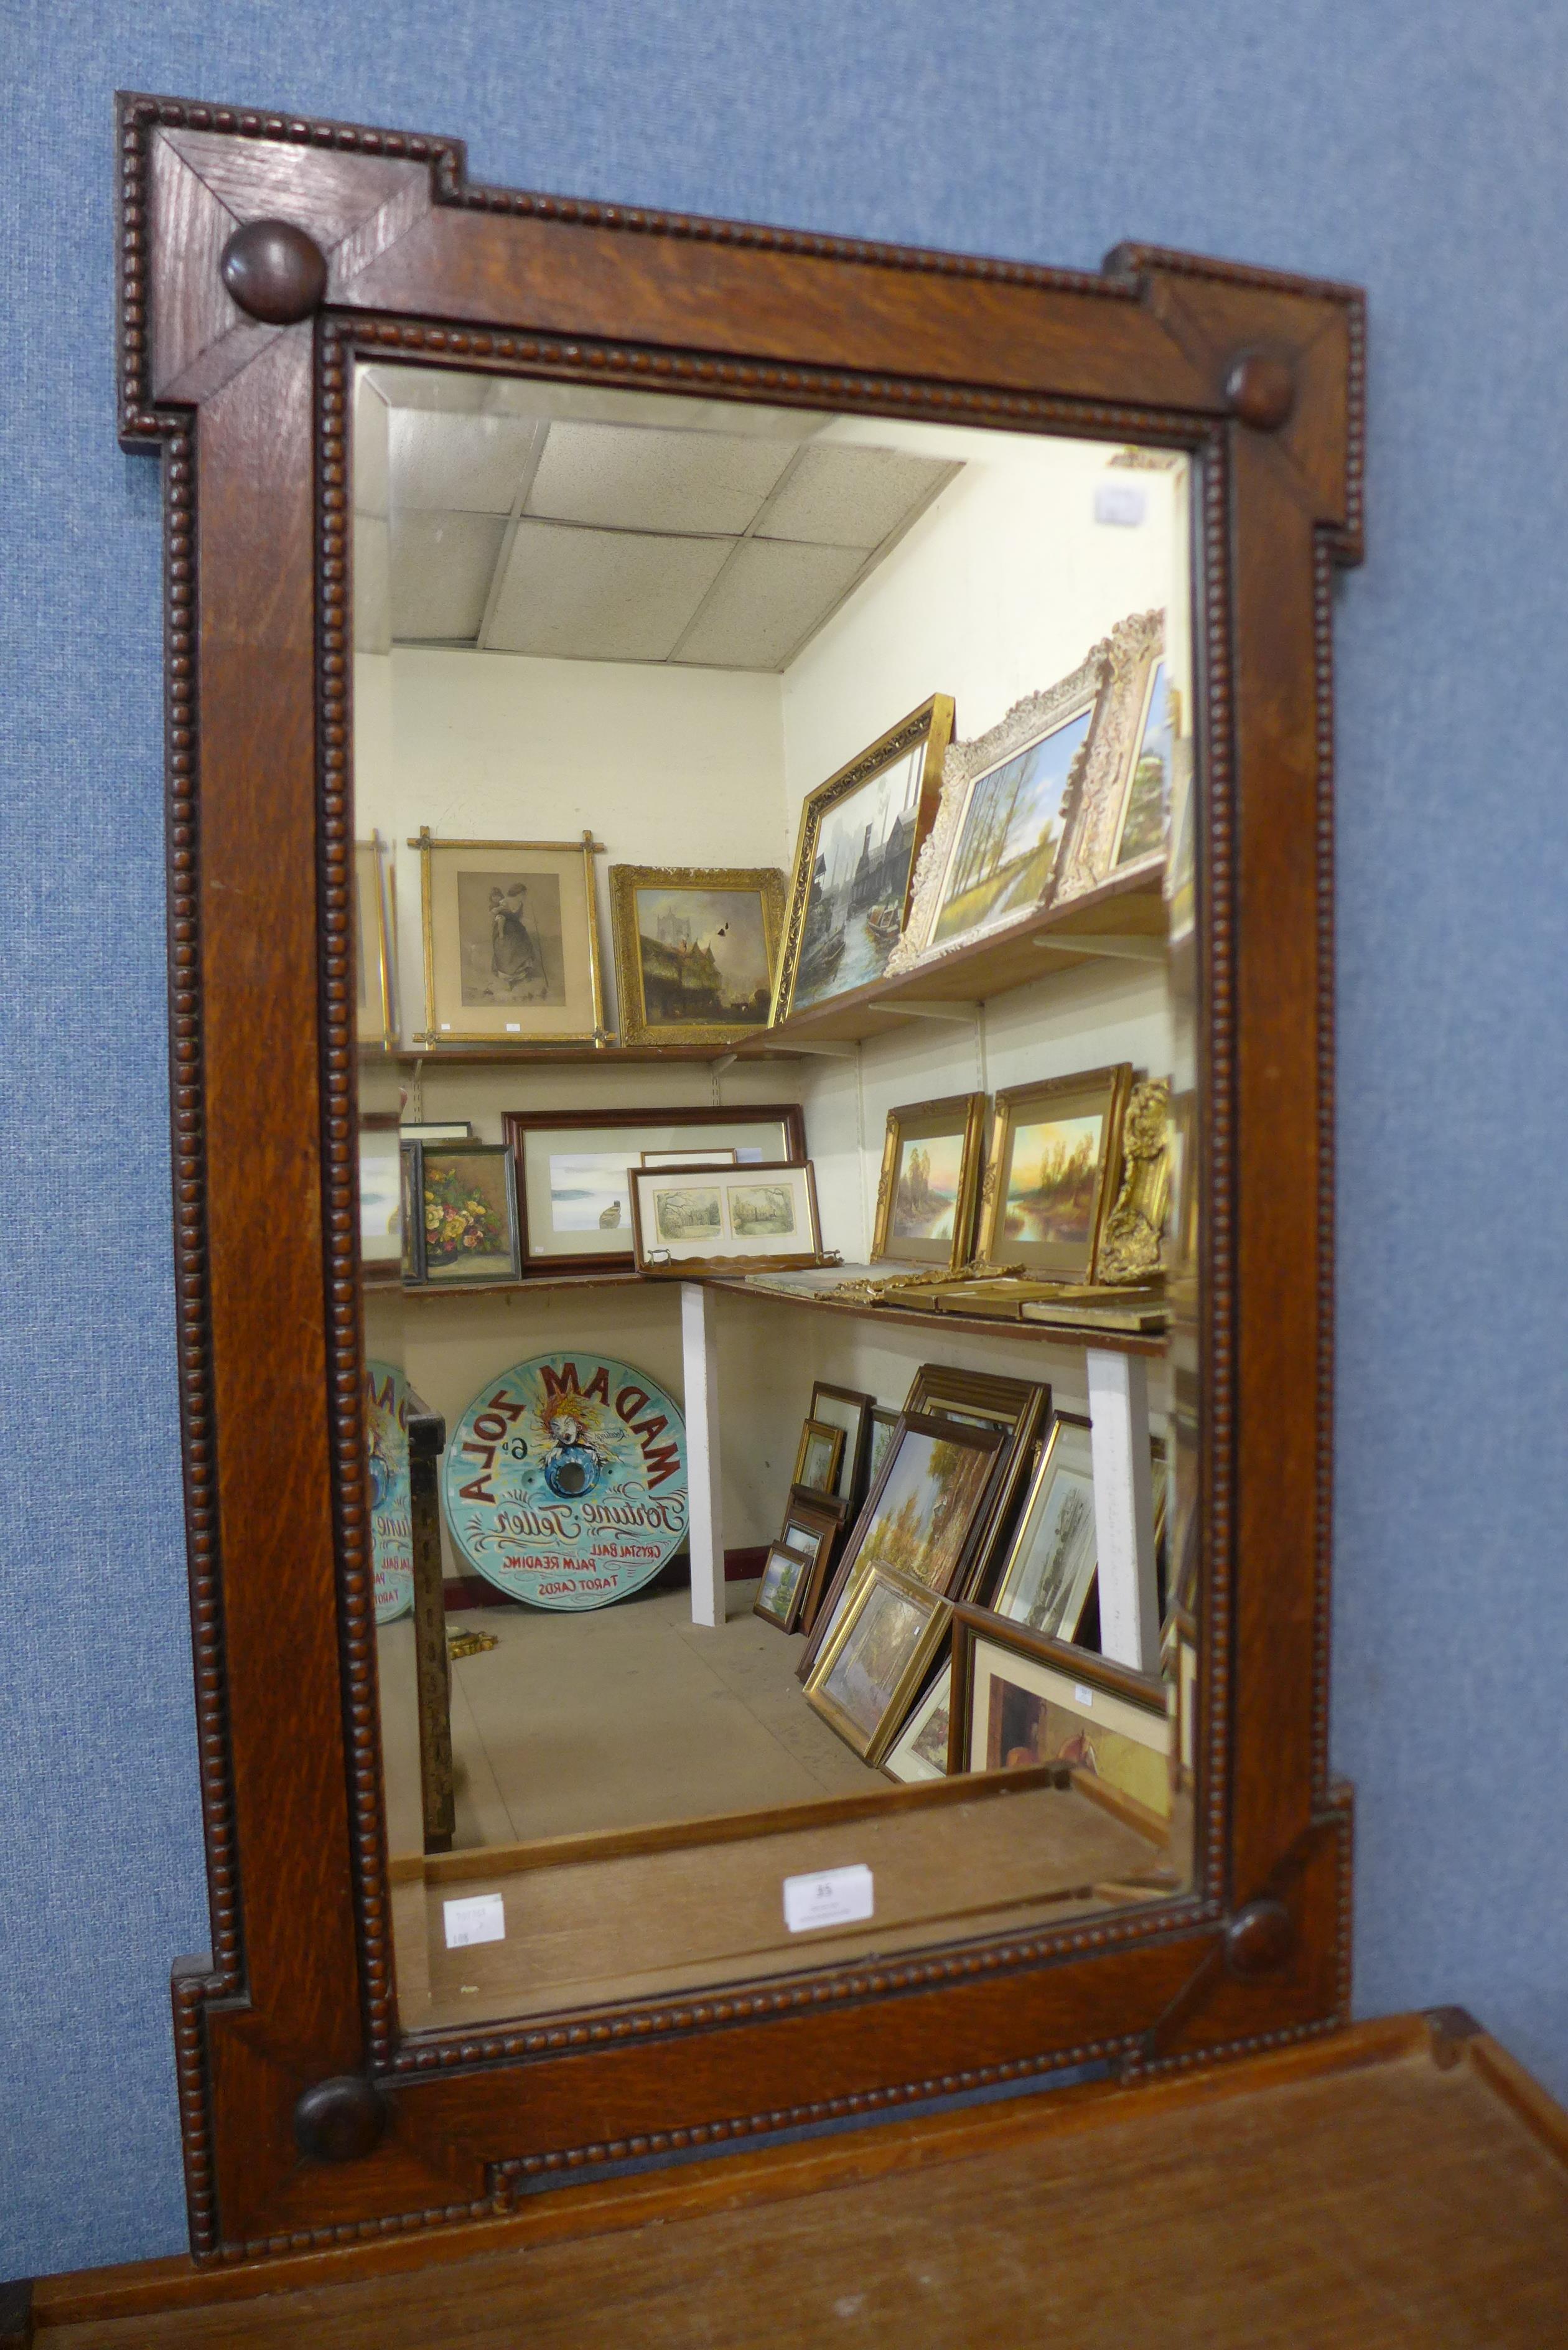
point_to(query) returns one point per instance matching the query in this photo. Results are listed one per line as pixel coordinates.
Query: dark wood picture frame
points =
(418, 1154)
(826, 1517)
(259, 254)
(517, 1123)
(971, 1623)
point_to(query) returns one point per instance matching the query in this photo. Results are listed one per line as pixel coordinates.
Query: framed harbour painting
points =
(860, 834)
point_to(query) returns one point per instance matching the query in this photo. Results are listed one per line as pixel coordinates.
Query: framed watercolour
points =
(574, 1187)
(706, 1219)
(919, 1752)
(1018, 1408)
(511, 941)
(1019, 1699)
(783, 1586)
(466, 1213)
(375, 954)
(380, 1196)
(860, 834)
(817, 1458)
(1049, 1568)
(850, 1409)
(929, 1184)
(694, 952)
(1055, 1161)
(884, 1420)
(814, 1522)
(873, 1661)
(920, 1517)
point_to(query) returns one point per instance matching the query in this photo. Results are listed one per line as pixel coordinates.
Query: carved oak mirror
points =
(750, 998)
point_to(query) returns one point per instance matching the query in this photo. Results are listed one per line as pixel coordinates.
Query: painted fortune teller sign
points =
(392, 1519)
(564, 1480)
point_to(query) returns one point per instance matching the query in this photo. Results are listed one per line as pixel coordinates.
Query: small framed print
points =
(849, 1408)
(711, 1158)
(695, 952)
(814, 1522)
(688, 1220)
(380, 1196)
(1019, 1700)
(511, 941)
(1055, 1164)
(1049, 1572)
(882, 1419)
(861, 833)
(929, 1184)
(466, 1211)
(919, 1752)
(876, 1659)
(376, 1016)
(817, 1456)
(574, 1171)
(783, 1586)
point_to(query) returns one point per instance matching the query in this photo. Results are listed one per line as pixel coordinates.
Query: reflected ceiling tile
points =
(472, 464)
(628, 478)
(849, 497)
(770, 596)
(600, 595)
(443, 565)
(372, 584)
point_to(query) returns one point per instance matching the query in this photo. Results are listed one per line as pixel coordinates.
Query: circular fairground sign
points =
(392, 1522)
(565, 1481)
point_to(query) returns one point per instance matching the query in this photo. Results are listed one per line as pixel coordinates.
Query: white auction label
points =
(838, 1896)
(1084, 1696)
(1120, 504)
(481, 1917)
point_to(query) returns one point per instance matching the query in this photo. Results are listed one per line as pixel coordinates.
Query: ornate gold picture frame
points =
(376, 1012)
(929, 1184)
(1053, 1171)
(695, 951)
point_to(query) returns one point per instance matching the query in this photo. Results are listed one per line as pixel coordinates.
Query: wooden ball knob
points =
(340, 2120)
(1261, 389)
(1259, 1938)
(275, 271)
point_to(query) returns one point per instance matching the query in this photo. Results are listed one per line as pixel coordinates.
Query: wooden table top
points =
(1396, 2185)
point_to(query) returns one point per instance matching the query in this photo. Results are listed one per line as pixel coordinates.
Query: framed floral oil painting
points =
(466, 1212)
(860, 834)
(1053, 1171)
(511, 941)
(695, 951)
(930, 1185)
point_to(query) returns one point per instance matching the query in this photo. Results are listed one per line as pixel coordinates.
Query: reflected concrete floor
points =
(633, 1714)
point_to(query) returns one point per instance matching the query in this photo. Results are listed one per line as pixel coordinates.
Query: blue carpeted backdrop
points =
(1415, 145)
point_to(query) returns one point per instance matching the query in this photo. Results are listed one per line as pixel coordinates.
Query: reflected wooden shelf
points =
(987, 1325)
(617, 1280)
(1122, 921)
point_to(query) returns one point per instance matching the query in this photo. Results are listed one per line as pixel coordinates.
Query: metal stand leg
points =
(1124, 1509)
(701, 1363)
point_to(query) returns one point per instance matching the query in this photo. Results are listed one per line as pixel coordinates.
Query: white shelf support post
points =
(1124, 1509)
(700, 1360)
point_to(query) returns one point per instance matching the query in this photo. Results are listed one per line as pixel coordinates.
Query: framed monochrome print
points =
(465, 1212)
(511, 941)
(694, 952)
(574, 1185)
(380, 1196)
(783, 1586)
(704, 1218)
(1049, 1569)
(1054, 1163)
(929, 1184)
(919, 1752)
(860, 834)
(817, 1458)
(374, 953)
(920, 1517)
(873, 1662)
(1019, 1699)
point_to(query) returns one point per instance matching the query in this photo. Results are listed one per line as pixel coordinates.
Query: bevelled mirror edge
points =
(1285, 472)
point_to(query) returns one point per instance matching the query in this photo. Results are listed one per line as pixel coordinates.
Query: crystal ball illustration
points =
(571, 1469)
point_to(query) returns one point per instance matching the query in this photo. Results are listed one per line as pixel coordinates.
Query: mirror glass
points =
(778, 1132)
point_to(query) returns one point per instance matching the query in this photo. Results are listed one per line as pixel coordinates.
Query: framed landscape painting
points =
(1049, 1569)
(860, 834)
(511, 941)
(695, 952)
(1051, 1176)
(929, 1184)
(874, 1662)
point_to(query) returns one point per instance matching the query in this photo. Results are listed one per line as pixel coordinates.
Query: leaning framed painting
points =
(511, 941)
(1051, 1172)
(262, 258)
(695, 952)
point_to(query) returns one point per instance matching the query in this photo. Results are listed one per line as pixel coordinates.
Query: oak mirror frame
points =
(260, 257)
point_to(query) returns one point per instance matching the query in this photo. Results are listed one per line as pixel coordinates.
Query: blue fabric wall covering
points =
(1415, 145)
